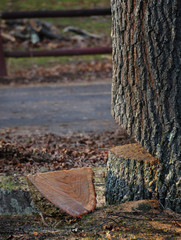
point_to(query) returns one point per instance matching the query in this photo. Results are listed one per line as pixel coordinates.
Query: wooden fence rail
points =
(57, 52)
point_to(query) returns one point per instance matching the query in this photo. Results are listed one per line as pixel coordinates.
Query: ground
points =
(126, 221)
(22, 154)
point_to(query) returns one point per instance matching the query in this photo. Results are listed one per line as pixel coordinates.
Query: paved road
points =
(56, 108)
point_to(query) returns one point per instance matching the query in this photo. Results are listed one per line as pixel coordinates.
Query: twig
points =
(169, 215)
(43, 219)
(147, 218)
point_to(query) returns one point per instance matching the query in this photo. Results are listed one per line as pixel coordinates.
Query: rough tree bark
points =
(146, 89)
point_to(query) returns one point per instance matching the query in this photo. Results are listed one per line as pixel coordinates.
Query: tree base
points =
(132, 174)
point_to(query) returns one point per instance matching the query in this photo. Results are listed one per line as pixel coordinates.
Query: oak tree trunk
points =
(146, 89)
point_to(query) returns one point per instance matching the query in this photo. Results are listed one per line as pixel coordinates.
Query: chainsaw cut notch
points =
(72, 190)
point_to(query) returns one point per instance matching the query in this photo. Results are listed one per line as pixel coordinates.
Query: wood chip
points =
(70, 190)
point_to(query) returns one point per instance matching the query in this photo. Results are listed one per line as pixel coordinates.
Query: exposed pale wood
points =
(70, 190)
(133, 151)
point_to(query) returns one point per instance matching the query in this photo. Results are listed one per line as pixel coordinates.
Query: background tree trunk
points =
(146, 89)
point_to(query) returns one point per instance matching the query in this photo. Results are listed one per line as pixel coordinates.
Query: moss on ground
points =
(13, 183)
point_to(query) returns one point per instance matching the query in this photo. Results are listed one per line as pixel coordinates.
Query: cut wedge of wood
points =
(72, 190)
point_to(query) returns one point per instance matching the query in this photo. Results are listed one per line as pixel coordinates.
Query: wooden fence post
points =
(3, 71)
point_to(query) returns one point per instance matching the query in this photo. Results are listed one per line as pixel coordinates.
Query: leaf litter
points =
(40, 153)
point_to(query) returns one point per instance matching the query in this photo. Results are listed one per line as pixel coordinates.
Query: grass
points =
(17, 64)
(96, 25)
(20, 5)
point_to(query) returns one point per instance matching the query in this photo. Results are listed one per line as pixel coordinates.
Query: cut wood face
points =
(70, 190)
(133, 151)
